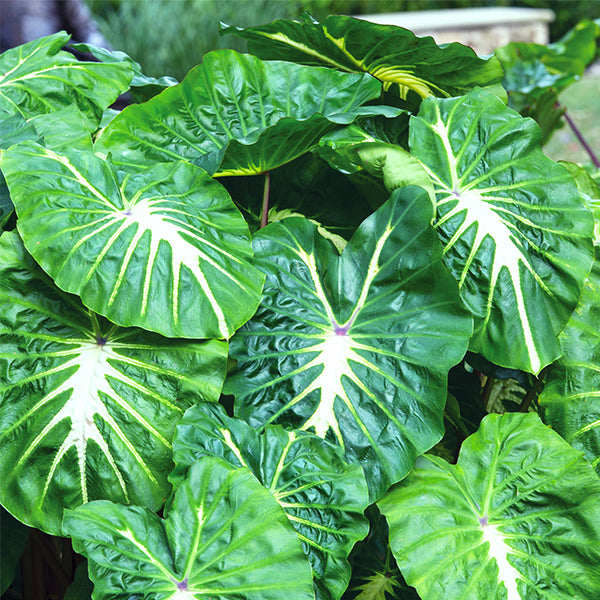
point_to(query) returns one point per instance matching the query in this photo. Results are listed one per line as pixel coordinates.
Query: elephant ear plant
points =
(230, 313)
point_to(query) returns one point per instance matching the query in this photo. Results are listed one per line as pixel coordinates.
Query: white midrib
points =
(335, 351)
(479, 213)
(498, 551)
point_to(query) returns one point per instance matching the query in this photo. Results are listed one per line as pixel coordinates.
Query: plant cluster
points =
(245, 321)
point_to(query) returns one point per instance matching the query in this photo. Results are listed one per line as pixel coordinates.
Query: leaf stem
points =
(579, 135)
(264, 215)
(534, 392)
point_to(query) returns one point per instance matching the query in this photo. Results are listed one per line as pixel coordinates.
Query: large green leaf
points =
(393, 55)
(345, 345)
(164, 249)
(516, 233)
(323, 497)
(517, 518)
(87, 409)
(143, 87)
(237, 115)
(38, 78)
(224, 536)
(571, 397)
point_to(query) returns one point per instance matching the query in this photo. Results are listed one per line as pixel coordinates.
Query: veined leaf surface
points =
(344, 345)
(224, 536)
(38, 78)
(394, 55)
(87, 409)
(517, 518)
(570, 400)
(323, 497)
(164, 249)
(143, 87)
(516, 233)
(237, 115)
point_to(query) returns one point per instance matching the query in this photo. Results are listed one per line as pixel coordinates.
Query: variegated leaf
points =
(323, 497)
(87, 409)
(344, 345)
(164, 249)
(516, 234)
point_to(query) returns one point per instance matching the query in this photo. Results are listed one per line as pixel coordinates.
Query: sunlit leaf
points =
(164, 249)
(237, 115)
(517, 518)
(516, 234)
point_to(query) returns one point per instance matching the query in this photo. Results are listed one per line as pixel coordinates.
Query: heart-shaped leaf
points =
(516, 233)
(345, 345)
(517, 518)
(224, 536)
(571, 397)
(323, 497)
(237, 115)
(164, 249)
(87, 409)
(394, 55)
(38, 78)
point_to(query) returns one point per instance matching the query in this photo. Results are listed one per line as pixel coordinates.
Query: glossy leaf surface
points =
(38, 78)
(164, 249)
(570, 400)
(323, 497)
(87, 409)
(516, 234)
(342, 345)
(237, 115)
(224, 536)
(143, 87)
(394, 55)
(517, 518)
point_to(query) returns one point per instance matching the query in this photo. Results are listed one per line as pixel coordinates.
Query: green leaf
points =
(87, 409)
(517, 518)
(323, 497)
(394, 55)
(351, 149)
(224, 536)
(143, 87)
(236, 115)
(516, 234)
(570, 401)
(164, 249)
(37, 78)
(344, 344)
(81, 587)
(13, 537)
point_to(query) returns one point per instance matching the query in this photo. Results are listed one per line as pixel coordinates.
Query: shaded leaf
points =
(570, 401)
